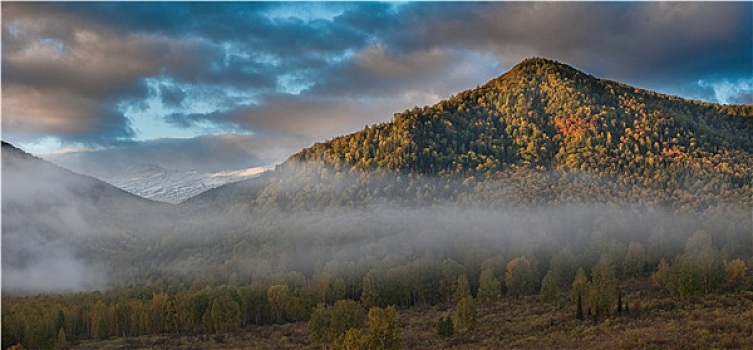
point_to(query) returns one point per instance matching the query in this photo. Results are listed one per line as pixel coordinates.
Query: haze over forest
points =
(484, 153)
(573, 197)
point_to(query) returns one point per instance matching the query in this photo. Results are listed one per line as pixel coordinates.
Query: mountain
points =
(54, 219)
(165, 185)
(31, 181)
(150, 180)
(551, 118)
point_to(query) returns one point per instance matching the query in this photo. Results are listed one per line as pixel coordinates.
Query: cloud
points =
(29, 111)
(210, 153)
(68, 76)
(286, 114)
(731, 92)
(649, 44)
(171, 95)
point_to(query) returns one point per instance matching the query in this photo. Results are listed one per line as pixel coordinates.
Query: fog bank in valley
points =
(65, 232)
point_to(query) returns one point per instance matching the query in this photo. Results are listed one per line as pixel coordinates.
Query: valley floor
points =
(657, 321)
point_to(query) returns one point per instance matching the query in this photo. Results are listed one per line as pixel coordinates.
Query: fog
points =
(64, 232)
(51, 219)
(304, 218)
(382, 231)
(48, 267)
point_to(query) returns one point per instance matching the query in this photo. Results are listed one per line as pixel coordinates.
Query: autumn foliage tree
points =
(735, 272)
(329, 323)
(519, 277)
(549, 288)
(603, 289)
(489, 288)
(384, 329)
(465, 315)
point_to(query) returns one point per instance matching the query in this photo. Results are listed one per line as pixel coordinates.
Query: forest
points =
(545, 188)
(575, 259)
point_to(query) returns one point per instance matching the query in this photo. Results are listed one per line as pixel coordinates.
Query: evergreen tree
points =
(449, 327)
(618, 311)
(445, 326)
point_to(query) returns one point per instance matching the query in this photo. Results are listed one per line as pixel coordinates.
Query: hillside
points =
(27, 178)
(54, 222)
(548, 116)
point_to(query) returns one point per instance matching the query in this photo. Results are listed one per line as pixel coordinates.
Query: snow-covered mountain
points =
(166, 185)
(176, 186)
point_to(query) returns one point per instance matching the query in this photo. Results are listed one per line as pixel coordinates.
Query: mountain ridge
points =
(551, 116)
(16, 157)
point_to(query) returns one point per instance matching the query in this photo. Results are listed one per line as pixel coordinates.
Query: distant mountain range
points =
(166, 185)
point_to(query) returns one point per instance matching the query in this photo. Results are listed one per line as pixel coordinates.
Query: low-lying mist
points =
(53, 219)
(41, 266)
(310, 219)
(375, 234)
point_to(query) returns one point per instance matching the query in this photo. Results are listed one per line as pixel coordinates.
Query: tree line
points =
(333, 300)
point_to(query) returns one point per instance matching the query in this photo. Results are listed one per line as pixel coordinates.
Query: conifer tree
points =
(579, 307)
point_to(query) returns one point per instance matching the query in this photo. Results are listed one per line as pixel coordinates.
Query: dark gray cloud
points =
(171, 95)
(296, 115)
(80, 72)
(656, 44)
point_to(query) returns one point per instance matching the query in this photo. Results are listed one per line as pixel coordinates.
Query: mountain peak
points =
(7, 145)
(538, 61)
(544, 114)
(540, 67)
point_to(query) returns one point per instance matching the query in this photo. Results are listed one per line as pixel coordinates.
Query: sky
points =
(223, 86)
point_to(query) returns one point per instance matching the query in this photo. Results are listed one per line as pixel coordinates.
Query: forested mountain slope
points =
(550, 117)
(39, 180)
(51, 217)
